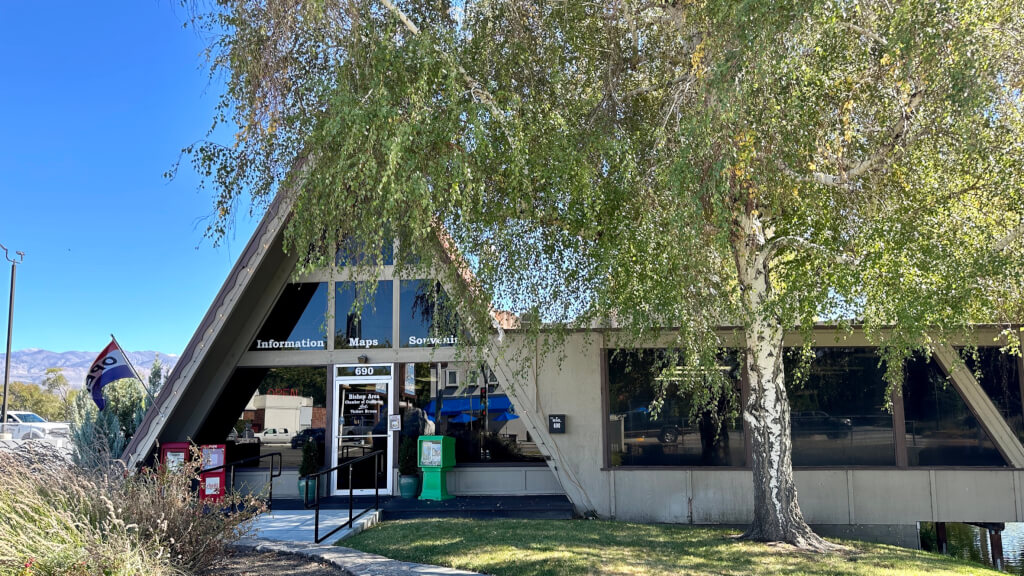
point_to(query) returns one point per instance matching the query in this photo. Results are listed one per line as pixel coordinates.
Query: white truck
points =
(30, 426)
(275, 436)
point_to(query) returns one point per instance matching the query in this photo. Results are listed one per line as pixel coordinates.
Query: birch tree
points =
(653, 165)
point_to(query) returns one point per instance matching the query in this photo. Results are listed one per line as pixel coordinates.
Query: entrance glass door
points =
(362, 396)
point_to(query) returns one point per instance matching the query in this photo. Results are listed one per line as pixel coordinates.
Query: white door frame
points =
(388, 381)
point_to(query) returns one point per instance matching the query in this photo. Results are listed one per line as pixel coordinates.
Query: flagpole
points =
(127, 361)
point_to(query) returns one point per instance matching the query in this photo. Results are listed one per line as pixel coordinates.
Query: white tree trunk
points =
(777, 516)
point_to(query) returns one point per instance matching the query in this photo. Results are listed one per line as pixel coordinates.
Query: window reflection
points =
(297, 321)
(427, 318)
(941, 430)
(351, 253)
(643, 431)
(839, 415)
(999, 375)
(466, 401)
(366, 328)
(287, 410)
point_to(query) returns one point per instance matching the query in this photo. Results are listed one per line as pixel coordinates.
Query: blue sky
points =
(98, 99)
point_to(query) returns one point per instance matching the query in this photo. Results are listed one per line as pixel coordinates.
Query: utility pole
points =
(10, 325)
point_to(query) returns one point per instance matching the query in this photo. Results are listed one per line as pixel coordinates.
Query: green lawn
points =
(571, 547)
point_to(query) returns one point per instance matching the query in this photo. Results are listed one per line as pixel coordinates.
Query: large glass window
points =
(298, 320)
(839, 415)
(427, 317)
(648, 427)
(941, 430)
(999, 375)
(467, 402)
(283, 409)
(369, 327)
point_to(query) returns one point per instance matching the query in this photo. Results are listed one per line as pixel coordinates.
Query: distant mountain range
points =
(30, 365)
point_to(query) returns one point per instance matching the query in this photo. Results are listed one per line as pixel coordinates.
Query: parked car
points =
(31, 426)
(818, 422)
(274, 436)
(318, 435)
(639, 426)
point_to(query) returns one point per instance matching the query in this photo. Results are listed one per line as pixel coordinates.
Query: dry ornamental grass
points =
(58, 519)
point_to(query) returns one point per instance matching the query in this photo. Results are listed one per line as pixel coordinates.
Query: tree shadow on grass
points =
(570, 548)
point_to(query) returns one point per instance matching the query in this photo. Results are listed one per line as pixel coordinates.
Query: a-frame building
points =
(582, 421)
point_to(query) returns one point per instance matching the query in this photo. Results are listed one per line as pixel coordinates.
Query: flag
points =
(109, 366)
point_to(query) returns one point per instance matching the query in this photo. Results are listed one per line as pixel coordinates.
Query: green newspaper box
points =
(436, 457)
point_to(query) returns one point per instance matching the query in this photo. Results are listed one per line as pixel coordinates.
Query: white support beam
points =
(532, 413)
(978, 401)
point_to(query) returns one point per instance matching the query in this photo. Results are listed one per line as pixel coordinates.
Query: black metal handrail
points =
(236, 463)
(316, 492)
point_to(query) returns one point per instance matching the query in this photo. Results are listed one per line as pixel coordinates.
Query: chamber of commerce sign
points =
(362, 403)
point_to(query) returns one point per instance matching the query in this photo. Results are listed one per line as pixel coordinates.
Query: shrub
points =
(56, 518)
(407, 448)
(310, 463)
(95, 436)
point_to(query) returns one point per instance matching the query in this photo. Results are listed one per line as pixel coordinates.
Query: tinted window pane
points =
(288, 411)
(643, 433)
(999, 375)
(369, 328)
(941, 430)
(298, 320)
(351, 253)
(486, 427)
(839, 416)
(427, 319)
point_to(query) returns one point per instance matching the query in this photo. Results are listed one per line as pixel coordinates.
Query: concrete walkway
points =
(291, 532)
(297, 525)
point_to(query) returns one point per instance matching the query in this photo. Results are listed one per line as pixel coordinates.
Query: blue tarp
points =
(495, 403)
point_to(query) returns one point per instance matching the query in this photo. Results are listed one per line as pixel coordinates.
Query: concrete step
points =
(478, 507)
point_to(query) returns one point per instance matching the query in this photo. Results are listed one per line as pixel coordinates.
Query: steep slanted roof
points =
(199, 376)
(266, 235)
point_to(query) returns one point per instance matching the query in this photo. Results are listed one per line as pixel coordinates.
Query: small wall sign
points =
(395, 423)
(556, 423)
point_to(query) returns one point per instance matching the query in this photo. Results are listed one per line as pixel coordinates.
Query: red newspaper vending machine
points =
(211, 484)
(173, 455)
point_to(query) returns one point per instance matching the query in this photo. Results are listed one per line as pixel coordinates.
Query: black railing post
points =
(350, 495)
(316, 519)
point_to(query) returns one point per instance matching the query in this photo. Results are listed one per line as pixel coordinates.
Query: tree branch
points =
(656, 87)
(898, 135)
(475, 87)
(815, 177)
(1004, 242)
(781, 242)
(865, 32)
